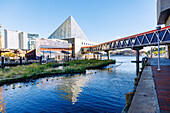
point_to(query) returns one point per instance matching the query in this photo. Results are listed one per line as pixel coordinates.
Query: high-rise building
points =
(11, 39)
(19, 40)
(2, 42)
(32, 41)
(23, 40)
(0, 36)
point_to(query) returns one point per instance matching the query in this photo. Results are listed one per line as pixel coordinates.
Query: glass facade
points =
(69, 29)
(32, 40)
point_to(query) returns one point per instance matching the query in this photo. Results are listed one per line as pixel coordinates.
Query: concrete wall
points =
(78, 43)
(82, 43)
(168, 22)
(163, 11)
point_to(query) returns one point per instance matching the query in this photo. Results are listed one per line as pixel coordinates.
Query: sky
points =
(100, 20)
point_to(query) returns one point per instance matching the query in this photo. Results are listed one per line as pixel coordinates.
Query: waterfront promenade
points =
(162, 83)
(153, 90)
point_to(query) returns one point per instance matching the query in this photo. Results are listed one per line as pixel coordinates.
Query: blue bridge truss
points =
(149, 38)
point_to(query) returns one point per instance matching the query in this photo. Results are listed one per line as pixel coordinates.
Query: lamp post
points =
(158, 30)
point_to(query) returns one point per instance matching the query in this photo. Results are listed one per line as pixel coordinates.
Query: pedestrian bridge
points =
(141, 40)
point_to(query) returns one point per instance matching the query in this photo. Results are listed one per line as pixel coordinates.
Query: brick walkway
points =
(162, 84)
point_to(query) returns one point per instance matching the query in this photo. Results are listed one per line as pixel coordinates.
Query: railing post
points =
(158, 30)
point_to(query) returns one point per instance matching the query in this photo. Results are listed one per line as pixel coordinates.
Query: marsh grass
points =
(36, 70)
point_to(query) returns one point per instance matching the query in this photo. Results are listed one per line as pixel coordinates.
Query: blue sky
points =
(100, 20)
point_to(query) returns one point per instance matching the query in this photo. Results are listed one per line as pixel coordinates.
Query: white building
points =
(11, 39)
(71, 31)
(23, 40)
(19, 40)
(2, 42)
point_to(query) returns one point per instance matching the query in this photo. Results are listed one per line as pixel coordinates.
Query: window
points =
(32, 42)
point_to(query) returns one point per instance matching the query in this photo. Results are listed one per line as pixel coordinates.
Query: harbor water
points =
(97, 91)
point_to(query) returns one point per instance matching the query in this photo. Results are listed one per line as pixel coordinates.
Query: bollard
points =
(20, 58)
(40, 59)
(2, 62)
(68, 58)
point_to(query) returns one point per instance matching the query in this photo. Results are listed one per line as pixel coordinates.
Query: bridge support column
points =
(168, 51)
(108, 54)
(97, 56)
(151, 52)
(100, 56)
(137, 58)
(94, 56)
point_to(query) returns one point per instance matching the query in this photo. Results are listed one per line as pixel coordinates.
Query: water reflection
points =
(103, 91)
(2, 103)
(71, 88)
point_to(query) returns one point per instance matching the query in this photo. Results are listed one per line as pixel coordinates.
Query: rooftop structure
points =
(51, 43)
(69, 29)
(51, 48)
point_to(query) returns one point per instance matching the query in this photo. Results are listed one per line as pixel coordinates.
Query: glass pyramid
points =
(69, 29)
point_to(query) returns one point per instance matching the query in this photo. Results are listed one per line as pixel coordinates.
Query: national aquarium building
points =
(70, 31)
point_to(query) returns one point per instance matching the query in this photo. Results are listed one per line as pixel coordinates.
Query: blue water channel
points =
(103, 91)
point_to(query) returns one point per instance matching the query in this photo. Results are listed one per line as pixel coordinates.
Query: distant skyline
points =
(100, 20)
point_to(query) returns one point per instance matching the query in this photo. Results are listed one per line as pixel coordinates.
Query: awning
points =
(58, 52)
(66, 52)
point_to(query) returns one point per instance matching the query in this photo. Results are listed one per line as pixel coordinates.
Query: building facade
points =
(32, 41)
(163, 17)
(2, 42)
(23, 41)
(11, 39)
(51, 48)
(0, 36)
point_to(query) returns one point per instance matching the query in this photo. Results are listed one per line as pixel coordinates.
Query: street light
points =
(158, 30)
